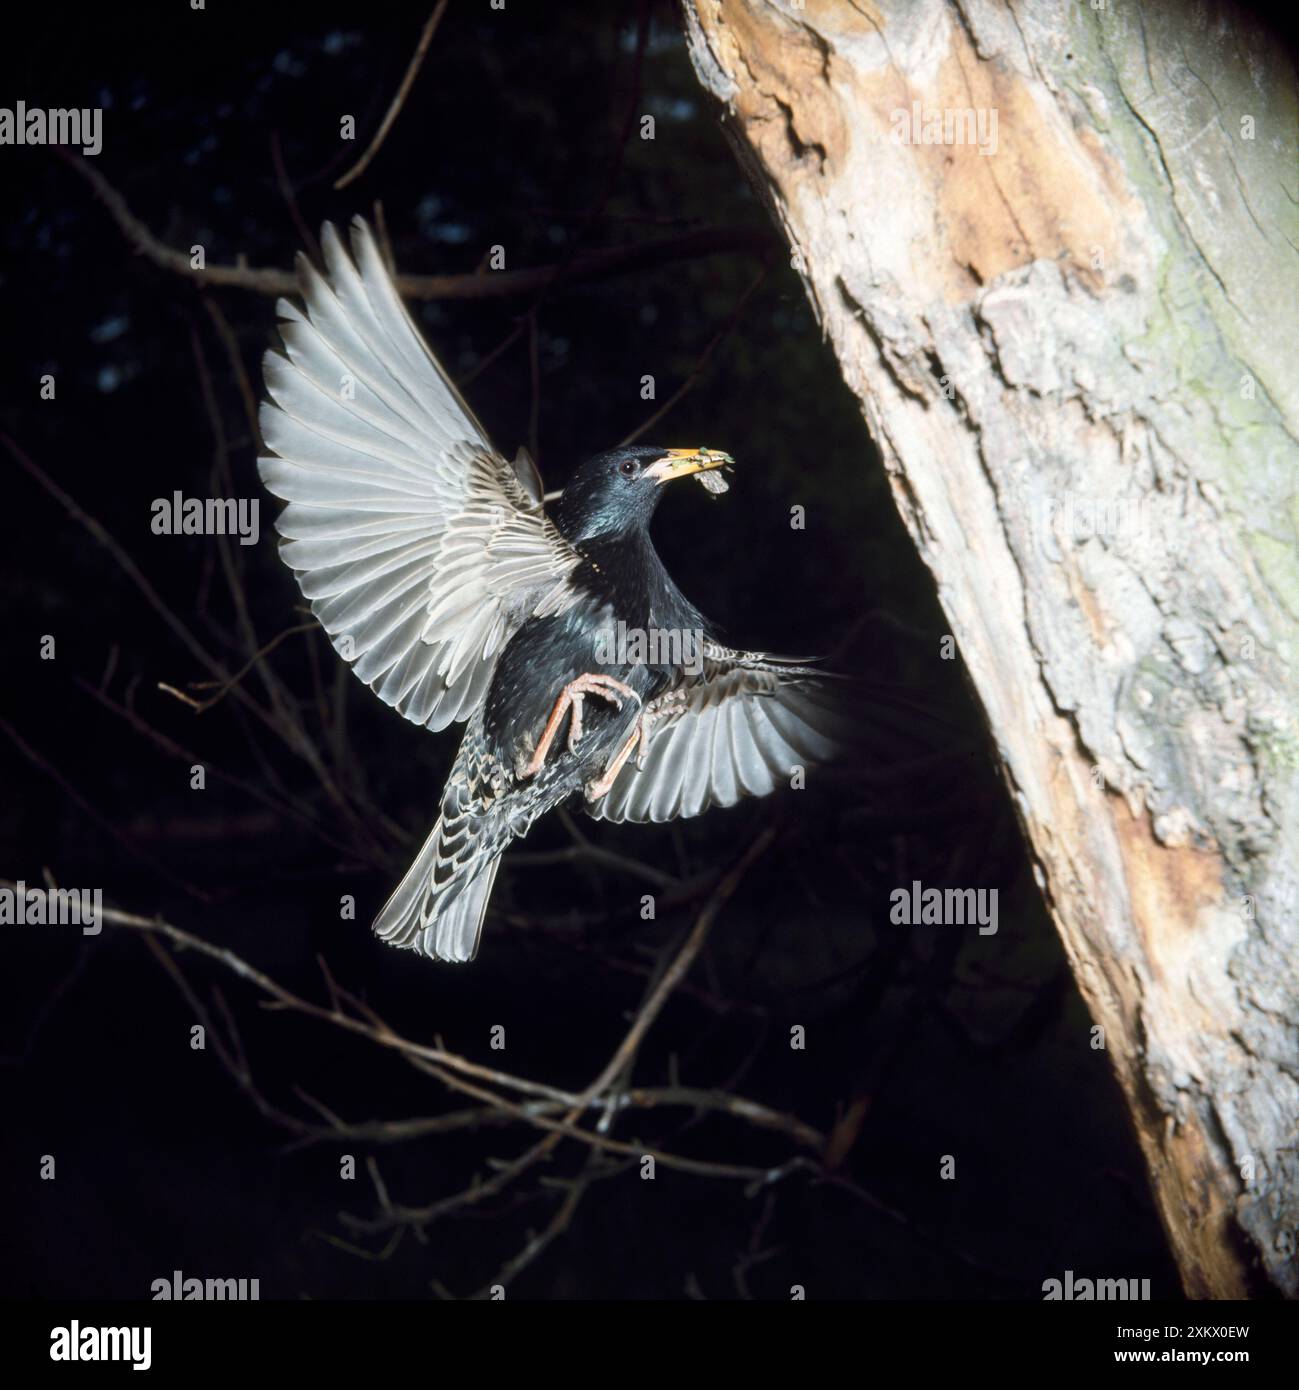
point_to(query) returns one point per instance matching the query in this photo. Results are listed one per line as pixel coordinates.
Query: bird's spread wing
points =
(741, 727)
(420, 549)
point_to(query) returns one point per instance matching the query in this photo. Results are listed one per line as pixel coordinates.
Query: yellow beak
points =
(680, 463)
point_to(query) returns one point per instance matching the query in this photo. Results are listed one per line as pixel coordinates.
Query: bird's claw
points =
(655, 712)
(639, 736)
(571, 698)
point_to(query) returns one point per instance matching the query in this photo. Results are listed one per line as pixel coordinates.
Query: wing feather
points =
(420, 549)
(746, 722)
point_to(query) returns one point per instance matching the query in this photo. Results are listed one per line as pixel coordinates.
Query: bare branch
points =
(601, 264)
(425, 38)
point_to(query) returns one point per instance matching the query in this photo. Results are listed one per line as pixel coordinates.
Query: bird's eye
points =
(627, 468)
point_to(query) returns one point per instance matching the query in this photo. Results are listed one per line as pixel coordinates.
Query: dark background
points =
(222, 128)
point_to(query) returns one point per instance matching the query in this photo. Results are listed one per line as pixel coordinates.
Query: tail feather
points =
(454, 932)
(440, 917)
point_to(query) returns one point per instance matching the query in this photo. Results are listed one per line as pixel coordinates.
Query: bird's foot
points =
(600, 786)
(659, 709)
(570, 698)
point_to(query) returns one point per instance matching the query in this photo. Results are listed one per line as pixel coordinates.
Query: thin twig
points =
(285, 185)
(596, 854)
(684, 959)
(696, 372)
(223, 687)
(104, 822)
(279, 721)
(394, 108)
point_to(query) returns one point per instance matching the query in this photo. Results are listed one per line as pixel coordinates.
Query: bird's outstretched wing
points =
(741, 727)
(419, 547)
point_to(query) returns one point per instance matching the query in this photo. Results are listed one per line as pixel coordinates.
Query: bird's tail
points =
(439, 906)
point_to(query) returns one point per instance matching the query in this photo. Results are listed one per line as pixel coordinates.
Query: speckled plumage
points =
(434, 569)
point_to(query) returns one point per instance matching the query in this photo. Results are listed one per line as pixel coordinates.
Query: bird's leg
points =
(640, 734)
(571, 697)
(599, 786)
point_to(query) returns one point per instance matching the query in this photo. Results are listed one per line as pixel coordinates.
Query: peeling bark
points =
(1076, 353)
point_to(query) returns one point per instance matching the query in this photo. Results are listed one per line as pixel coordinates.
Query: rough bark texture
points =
(1077, 356)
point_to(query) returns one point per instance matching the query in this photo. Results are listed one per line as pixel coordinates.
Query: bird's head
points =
(615, 493)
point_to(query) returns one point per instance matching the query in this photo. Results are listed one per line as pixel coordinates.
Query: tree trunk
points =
(1074, 343)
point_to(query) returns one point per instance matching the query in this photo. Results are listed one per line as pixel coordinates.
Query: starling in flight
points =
(575, 663)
